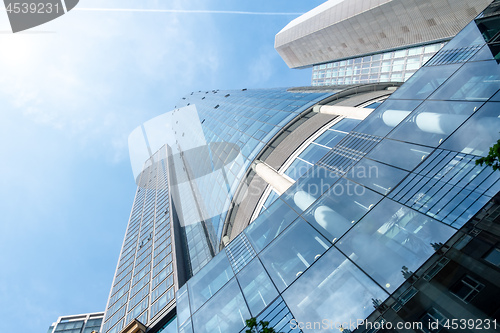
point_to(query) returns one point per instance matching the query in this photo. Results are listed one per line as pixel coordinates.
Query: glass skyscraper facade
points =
(341, 239)
(186, 188)
(395, 66)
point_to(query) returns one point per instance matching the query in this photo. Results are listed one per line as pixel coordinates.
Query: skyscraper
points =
(375, 196)
(365, 41)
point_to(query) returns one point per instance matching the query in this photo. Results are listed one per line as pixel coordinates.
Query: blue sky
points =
(70, 93)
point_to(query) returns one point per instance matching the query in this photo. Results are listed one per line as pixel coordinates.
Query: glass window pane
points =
(182, 302)
(297, 169)
(485, 121)
(485, 53)
(434, 121)
(170, 327)
(342, 206)
(390, 237)
(332, 289)
(186, 328)
(270, 224)
(313, 153)
(226, 312)
(377, 176)
(386, 117)
(257, 287)
(424, 82)
(493, 257)
(269, 201)
(345, 125)
(316, 182)
(330, 138)
(291, 253)
(209, 280)
(469, 36)
(402, 155)
(475, 81)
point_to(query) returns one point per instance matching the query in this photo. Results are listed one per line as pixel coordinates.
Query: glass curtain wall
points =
(335, 244)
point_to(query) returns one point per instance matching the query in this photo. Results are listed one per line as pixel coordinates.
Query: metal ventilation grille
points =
(453, 56)
(349, 151)
(454, 193)
(240, 252)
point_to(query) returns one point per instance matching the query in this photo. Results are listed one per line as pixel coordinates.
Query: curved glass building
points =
(313, 211)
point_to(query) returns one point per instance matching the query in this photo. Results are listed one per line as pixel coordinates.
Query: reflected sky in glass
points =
(226, 312)
(342, 206)
(389, 237)
(333, 289)
(292, 253)
(257, 287)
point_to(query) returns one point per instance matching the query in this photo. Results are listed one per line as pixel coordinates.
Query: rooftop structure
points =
(361, 41)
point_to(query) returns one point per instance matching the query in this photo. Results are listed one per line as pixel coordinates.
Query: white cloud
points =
(100, 74)
(262, 68)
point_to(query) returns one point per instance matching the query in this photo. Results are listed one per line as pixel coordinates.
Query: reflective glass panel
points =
(257, 287)
(278, 315)
(330, 138)
(313, 153)
(270, 224)
(434, 121)
(209, 280)
(297, 169)
(377, 176)
(485, 53)
(403, 155)
(386, 117)
(170, 327)
(469, 36)
(475, 81)
(226, 312)
(486, 123)
(182, 303)
(309, 188)
(342, 206)
(186, 328)
(424, 82)
(345, 125)
(390, 237)
(489, 26)
(493, 257)
(334, 290)
(291, 253)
